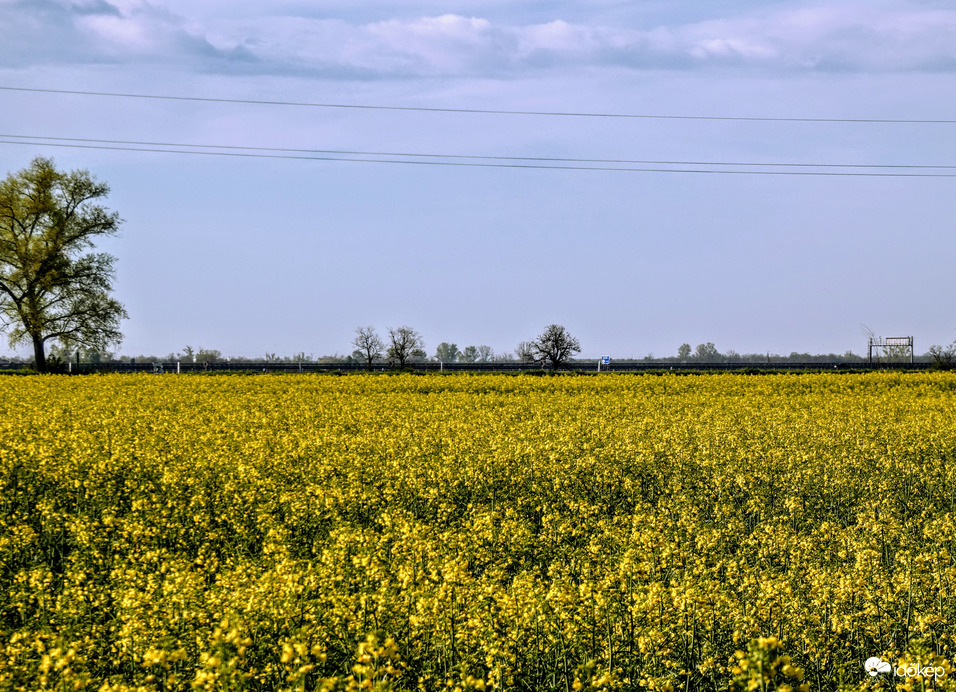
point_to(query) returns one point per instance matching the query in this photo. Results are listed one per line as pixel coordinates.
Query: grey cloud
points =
(94, 7)
(794, 37)
(77, 32)
(39, 32)
(812, 38)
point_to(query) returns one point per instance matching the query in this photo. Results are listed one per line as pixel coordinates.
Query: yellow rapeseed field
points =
(485, 532)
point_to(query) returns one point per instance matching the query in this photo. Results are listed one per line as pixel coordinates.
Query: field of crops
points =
(269, 532)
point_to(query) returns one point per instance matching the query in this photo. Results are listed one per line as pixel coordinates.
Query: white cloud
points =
(813, 37)
(890, 37)
(445, 44)
(826, 37)
(124, 31)
(560, 37)
(446, 27)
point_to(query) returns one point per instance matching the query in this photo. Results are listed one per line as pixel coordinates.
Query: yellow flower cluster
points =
(476, 532)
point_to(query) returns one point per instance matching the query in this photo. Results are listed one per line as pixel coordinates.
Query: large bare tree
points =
(405, 344)
(555, 346)
(51, 290)
(369, 343)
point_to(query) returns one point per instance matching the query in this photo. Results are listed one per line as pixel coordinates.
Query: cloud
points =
(93, 7)
(851, 37)
(77, 32)
(814, 37)
(446, 44)
(854, 35)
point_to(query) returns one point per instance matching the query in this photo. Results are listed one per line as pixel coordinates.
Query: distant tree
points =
(189, 354)
(944, 357)
(447, 353)
(707, 353)
(368, 345)
(208, 355)
(555, 346)
(49, 289)
(896, 353)
(525, 352)
(470, 354)
(683, 351)
(332, 359)
(405, 344)
(85, 354)
(58, 357)
(141, 358)
(485, 354)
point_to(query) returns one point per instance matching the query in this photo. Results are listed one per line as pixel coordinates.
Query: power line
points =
(543, 159)
(474, 164)
(483, 111)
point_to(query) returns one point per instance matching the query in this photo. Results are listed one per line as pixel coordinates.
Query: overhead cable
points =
(543, 159)
(514, 162)
(483, 111)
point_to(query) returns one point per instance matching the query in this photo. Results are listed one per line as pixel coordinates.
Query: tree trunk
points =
(38, 355)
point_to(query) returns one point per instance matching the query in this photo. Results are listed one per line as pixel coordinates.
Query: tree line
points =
(554, 347)
(55, 292)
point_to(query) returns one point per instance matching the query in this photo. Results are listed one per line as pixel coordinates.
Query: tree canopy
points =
(368, 345)
(405, 344)
(447, 353)
(555, 346)
(51, 290)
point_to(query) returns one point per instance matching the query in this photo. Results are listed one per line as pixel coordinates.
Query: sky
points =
(473, 227)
